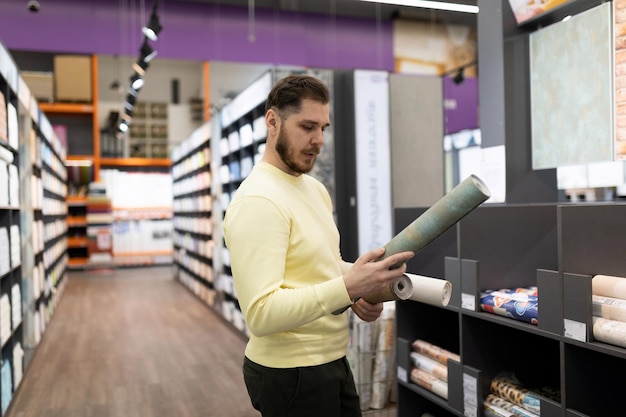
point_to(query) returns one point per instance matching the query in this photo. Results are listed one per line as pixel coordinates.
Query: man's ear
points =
(271, 120)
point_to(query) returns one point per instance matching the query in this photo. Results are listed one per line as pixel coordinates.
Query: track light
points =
(147, 52)
(459, 77)
(136, 82)
(154, 27)
(123, 126)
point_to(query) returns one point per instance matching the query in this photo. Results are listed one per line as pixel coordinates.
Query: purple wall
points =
(461, 104)
(196, 31)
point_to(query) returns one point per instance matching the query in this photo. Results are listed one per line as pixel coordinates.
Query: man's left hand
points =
(366, 311)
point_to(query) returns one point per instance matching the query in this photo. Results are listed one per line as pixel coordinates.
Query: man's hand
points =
(366, 311)
(368, 276)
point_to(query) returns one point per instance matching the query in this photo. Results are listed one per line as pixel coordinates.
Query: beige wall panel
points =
(417, 158)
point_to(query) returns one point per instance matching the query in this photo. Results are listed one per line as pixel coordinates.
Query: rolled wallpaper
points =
(430, 382)
(503, 406)
(609, 308)
(442, 215)
(434, 351)
(510, 389)
(609, 286)
(384, 359)
(432, 366)
(519, 304)
(609, 331)
(427, 290)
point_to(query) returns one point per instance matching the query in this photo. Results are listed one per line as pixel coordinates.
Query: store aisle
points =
(134, 343)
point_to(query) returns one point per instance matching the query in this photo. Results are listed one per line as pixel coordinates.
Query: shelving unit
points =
(242, 132)
(557, 248)
(33, 262)
(49, 233)
(77, 240)
(193, 214)
(11, 329)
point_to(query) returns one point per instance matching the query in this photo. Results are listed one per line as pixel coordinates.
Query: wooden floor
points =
(134, 343)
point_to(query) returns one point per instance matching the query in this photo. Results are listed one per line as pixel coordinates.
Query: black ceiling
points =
(356, 8)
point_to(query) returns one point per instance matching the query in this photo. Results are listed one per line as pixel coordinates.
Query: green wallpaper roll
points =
(442, 215)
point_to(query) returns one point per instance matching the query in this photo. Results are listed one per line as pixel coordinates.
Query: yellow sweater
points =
(284, 251)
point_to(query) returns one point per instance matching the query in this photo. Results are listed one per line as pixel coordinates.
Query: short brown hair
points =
(288, 92)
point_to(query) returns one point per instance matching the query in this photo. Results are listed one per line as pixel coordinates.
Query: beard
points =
(289, 157)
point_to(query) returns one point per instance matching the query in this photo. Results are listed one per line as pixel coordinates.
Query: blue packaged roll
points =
(519, 304)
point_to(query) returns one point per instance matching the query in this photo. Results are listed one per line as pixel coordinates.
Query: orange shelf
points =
(147, 253)
(136, 162)
(76, 201)
(67, 108)
(77, 242)
(77, 262)
(76, 221)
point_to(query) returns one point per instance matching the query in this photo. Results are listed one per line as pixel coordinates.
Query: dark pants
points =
(312, 391)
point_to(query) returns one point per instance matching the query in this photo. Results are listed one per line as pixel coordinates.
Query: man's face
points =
(301, 136)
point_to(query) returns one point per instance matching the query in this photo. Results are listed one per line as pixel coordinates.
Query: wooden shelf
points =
(77, 262)
(73, 221)
(76, 201)
(67, 108)
(136, 162)
(77, 242)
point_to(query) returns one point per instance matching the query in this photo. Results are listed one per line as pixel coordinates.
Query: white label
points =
(468, 301)
(575, 330)
(402, 374)
(470, 411)
(373, 160)
(469, 383)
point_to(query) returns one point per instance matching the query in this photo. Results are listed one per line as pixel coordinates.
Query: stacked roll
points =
(516, 303)
(509, 398)
(609, 309)
(430, 366)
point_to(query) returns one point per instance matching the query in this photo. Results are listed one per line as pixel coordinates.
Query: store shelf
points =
(135, 162)
(77, 263)
(67, 108)
(77, 242)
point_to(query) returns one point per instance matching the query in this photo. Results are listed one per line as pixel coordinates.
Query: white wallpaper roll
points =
(419, 288)
(429, 290)
(609, 331)
(609, 286)
(609, 308)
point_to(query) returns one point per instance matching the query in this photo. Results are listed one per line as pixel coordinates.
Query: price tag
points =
(469, 383)
(402, 374)
(470, 411)
(468, 301)
(575, 330)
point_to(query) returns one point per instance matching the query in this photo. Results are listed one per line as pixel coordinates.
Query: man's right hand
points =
(369, 276)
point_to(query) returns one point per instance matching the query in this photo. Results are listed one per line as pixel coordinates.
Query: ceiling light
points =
(427, 4)
(147, 52)
(136, 82)
(153, 28)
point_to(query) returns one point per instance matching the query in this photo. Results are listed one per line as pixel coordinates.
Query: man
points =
(288, 272)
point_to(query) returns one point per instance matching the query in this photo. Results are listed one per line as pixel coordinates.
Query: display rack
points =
(11, 329)
(193, 214)
(77, 240)
(509, 247)
(49, 232)
(242, 132)
(33, 261)
(141, 219)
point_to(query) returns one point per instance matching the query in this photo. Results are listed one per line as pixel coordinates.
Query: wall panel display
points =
(373, 166)
(620, 79)
(571, 90)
